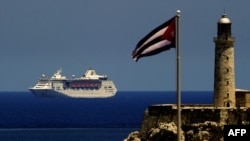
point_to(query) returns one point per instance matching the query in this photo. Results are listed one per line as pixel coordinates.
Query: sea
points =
(25, 117)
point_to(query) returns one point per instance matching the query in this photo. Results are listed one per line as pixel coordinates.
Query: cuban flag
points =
(160, 39)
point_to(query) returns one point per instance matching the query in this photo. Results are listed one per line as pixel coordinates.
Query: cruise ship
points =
(89, 85)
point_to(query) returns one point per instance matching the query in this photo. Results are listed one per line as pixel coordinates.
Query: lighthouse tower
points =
(224, 82)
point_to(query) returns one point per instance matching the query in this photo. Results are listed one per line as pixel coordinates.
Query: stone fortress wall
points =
(192, 114)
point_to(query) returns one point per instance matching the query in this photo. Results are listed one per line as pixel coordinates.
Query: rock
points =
(134, 136)
(164, 131)
(207, 131)
(204, 131)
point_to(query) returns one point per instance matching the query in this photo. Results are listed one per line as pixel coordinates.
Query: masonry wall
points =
(247, 100)
(193, 114)
(242, 98)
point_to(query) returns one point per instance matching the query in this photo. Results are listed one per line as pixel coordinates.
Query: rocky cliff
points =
(207, 131)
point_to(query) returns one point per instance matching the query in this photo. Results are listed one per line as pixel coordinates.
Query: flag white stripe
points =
(156, 46)
(157, 34)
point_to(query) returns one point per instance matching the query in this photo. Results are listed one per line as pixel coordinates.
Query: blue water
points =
(65, 134)
(24, 117)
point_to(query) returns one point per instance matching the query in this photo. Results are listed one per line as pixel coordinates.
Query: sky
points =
(41, 36)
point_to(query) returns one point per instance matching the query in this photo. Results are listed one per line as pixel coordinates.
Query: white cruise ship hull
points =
(73, 93)
(89, 85)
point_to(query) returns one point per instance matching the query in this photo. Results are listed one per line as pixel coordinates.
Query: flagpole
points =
(178, 13)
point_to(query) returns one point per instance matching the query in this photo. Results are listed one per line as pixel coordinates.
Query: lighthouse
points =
(224, 78)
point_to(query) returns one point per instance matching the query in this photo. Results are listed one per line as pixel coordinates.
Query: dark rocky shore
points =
(207, 131)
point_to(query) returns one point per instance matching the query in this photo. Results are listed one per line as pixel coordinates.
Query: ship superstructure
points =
(89, 85)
